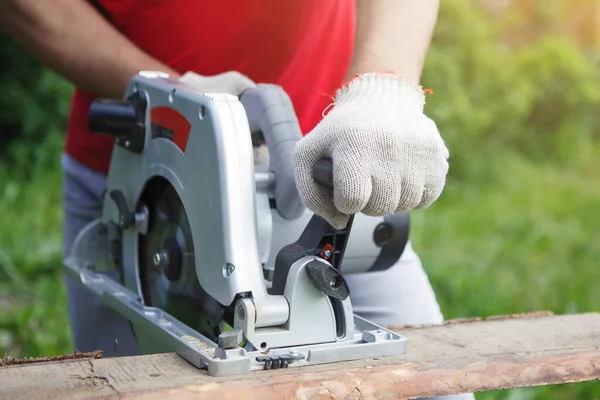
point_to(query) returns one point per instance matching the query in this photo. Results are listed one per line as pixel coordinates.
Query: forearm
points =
(72, 38)
(393, 35)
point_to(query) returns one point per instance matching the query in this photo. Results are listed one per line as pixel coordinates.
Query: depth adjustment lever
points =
(128, 219)
(328, 279)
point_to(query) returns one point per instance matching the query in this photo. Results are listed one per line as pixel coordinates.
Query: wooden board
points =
(441, 360)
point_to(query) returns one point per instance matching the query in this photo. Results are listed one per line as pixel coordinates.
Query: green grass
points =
(33, 319)
(526, 240)
(516, 237)
(529, 240)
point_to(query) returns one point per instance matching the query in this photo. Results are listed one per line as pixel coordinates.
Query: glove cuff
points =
(382, 87)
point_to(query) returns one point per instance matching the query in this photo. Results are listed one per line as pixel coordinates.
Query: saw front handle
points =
(323, 172)
(271, 114)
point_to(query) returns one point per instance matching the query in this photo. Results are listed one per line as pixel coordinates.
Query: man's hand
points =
(387, 155)
(231, 82)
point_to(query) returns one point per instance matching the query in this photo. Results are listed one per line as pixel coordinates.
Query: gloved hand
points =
(231, 82)
(387, 155)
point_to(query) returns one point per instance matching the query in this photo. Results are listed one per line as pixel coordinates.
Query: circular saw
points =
(220, 260)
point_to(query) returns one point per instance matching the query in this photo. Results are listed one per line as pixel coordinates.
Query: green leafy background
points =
(517, 97)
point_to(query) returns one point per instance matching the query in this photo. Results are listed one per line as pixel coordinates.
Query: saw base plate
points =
(369, 340)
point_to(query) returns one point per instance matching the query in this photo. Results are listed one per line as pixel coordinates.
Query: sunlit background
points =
(517, 97)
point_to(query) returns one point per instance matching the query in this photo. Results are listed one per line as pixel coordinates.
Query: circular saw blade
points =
(167, 267)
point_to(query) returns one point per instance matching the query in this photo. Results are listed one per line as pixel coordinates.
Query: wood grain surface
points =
(468, 356)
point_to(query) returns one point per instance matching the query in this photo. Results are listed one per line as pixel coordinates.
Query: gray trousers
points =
(400, 295)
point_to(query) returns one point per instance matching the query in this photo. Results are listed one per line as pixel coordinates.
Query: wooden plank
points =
(442, 360)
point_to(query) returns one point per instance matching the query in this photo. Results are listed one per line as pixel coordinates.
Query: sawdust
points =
(33, 360)
(196, 342)
(462, 320)
(534, 314)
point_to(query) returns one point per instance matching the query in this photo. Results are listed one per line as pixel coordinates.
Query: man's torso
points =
(303, 45)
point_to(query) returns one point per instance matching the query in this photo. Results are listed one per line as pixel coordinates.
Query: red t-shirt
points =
(305, 46)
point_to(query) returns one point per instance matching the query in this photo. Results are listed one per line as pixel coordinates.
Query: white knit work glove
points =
(387, 155)
(231, 82)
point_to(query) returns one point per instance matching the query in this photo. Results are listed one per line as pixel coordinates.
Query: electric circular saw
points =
(220, 260)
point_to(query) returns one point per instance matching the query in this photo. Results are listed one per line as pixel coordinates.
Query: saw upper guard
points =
(204, 241)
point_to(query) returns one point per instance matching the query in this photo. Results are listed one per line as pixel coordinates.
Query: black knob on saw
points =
(328, 279)
(123, 120)
(113, 117)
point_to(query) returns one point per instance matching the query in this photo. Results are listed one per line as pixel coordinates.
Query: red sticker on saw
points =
(170, 124)
(327, 251)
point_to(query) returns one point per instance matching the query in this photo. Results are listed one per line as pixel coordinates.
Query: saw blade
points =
(167, 267)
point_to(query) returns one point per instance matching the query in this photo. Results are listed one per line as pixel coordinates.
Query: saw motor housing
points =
(256, 257)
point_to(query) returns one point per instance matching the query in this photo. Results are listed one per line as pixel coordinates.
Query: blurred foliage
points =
(540, 98)
(517, 95)
(33, 118)
(33, 318)
(33, 109)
